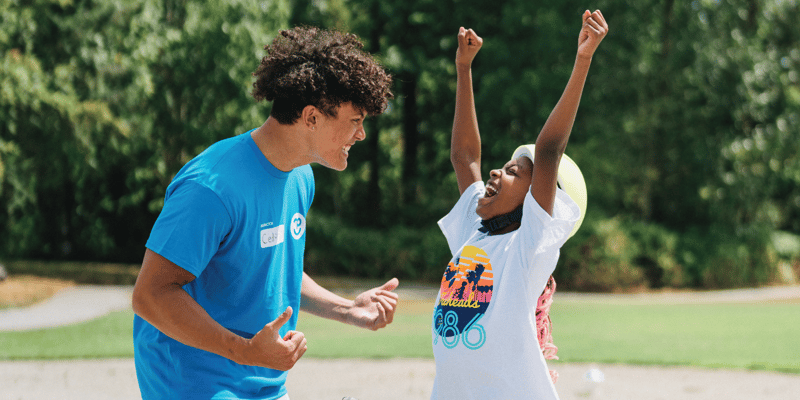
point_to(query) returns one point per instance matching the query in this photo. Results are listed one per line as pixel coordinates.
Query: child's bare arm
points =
(465, 145)
(552, 140)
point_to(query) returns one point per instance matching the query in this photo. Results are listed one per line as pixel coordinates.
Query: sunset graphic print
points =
(466, 292)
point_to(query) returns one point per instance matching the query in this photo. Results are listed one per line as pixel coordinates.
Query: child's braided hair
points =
(543, 325)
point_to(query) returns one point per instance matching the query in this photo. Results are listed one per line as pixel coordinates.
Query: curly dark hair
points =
(312, 66)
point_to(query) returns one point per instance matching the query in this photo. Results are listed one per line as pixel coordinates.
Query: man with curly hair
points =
(222, 274)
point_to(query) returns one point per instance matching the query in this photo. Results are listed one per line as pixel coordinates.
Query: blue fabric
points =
(238, 225)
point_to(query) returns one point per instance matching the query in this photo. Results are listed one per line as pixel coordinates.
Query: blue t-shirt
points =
(237, 224)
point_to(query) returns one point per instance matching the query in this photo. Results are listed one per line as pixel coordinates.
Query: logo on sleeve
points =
(297, 226)
(272, 236)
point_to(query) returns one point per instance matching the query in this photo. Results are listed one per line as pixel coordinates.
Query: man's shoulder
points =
(214, 168)
(223, 149)
(304, 172)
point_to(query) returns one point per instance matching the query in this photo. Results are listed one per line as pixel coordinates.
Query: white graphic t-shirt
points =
(484, 321)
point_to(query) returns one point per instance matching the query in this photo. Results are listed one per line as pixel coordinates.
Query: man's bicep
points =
(161, 271)
(158, 276)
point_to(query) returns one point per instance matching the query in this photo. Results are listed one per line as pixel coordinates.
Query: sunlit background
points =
(688, 135)
(688, 132)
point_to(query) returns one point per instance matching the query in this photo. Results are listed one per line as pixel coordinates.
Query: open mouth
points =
(490, 190)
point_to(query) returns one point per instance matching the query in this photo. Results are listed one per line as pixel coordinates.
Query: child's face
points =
(506, 188)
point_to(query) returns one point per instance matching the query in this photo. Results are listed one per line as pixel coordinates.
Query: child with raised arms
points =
(490, 323)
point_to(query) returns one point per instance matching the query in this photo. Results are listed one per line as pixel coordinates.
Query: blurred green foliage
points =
(688, 133)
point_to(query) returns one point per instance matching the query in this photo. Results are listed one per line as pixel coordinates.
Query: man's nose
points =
(361, 134)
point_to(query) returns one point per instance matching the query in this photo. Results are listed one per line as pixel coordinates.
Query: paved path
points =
(67, 306)
(403, 379)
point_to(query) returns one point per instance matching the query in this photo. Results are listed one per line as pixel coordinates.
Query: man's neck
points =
(282, 145)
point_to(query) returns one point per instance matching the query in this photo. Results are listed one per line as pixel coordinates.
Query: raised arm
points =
(552, 140)
(465, 144)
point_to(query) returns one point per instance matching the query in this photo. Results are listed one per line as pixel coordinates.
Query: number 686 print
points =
(446, 327)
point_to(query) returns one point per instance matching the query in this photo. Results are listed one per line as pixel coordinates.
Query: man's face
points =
(335, 135)
(506, 188)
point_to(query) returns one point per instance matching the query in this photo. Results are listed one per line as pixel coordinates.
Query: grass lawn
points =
(736, 336)
(741, 336)
(105, 337)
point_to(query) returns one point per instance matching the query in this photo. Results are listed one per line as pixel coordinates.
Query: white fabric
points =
(484, 325)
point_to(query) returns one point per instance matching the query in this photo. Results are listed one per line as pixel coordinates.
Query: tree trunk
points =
(372, 213)
(410, 138)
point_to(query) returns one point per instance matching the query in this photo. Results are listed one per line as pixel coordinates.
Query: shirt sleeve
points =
(462, 221)
(191, 227)
(542, 235)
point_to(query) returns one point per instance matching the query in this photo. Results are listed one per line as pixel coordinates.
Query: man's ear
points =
(309, 117)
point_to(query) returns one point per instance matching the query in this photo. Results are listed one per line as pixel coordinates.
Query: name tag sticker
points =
(272, 236)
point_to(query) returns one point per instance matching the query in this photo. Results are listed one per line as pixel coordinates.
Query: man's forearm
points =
(322, 302)
(176, 314)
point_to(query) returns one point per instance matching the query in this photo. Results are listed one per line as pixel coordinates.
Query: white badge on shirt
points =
(272, 236)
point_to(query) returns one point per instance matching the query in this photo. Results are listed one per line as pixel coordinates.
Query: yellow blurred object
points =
(570, 179)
